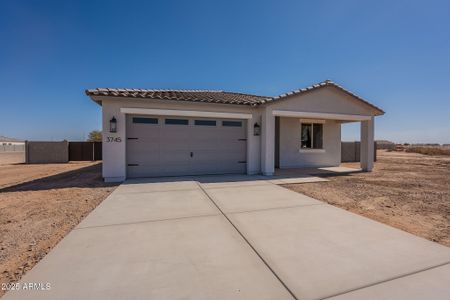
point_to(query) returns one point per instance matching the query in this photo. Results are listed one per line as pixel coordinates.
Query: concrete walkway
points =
(234, 238)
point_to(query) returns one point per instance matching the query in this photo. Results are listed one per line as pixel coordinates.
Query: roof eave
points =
(97, 97)
(93, 97)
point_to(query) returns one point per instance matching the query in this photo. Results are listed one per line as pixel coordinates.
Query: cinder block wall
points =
(350, 151)
(46, 152)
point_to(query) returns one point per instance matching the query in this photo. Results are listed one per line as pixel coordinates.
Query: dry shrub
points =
(429, 150)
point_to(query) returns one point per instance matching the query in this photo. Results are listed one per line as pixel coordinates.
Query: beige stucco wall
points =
(324, 100)
(290, 155)
(114, 153)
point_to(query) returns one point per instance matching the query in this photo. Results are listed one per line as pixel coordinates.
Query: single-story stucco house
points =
(149, 133)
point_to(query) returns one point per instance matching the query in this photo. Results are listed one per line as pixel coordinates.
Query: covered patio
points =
(304, 140)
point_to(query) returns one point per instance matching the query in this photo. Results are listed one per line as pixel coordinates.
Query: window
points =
(177, 122)
(317, 136)
(306, 135)
(312, 136)
(205, 122)
(145, 120)
(232, 123)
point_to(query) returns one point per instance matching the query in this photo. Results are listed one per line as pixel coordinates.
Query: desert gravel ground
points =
(7, 158)
(13, 174)
(39, 205)
(405, 190)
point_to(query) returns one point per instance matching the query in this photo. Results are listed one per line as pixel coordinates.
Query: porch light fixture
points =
(256, 129)
(113, 125)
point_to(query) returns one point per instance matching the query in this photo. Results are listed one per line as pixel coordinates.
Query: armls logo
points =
(31, 286)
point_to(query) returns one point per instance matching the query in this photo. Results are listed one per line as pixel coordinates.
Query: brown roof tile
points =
(209, 96)
(216, 96)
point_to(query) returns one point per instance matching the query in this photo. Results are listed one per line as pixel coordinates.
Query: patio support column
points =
(367, 151)
(268, 142)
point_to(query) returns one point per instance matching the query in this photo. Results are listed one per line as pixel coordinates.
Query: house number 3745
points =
(111, 139)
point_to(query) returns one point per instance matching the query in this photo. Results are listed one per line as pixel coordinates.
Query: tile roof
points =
(216, 96)
(209, 96)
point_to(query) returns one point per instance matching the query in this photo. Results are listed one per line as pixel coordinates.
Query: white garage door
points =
(172, 146)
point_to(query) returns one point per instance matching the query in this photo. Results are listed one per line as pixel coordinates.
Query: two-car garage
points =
(177, 145)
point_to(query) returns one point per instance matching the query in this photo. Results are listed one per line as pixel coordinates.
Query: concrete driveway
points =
(234, 237)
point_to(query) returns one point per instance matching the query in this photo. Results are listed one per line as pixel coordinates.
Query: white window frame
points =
(311, 122)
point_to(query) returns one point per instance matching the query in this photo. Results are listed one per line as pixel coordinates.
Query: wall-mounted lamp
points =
(256, 129)
(113, 125)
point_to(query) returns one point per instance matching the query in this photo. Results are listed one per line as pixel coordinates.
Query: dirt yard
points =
(39, 205)
(7, 158)
(409, 191)
(13, 174)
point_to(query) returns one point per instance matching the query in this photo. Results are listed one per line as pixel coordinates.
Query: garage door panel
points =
(199, 141)
(141, 138)
(171, 137)
(175, 131)
(175, 145)
(143, 171)
(213, 145)
(165, 150)
(175, 170)
(219, 148)
(143, 153)
(174, 156)
(197, 137)
(213, 155)
(146, 131)
(142, 167)
(143, 146)
(201, 135)
(237, 145)
(218, 168)
(143, 160)
(233, 130)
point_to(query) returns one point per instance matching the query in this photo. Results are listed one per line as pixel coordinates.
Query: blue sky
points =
(396, 54)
